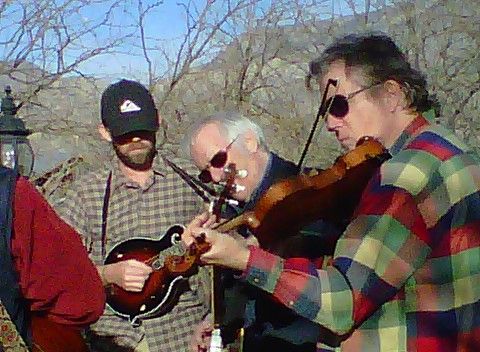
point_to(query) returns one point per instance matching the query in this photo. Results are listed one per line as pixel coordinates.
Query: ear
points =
(251, 141)
(395, 97)
(104, 132)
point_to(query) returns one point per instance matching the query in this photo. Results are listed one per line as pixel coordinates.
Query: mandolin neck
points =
(216, 344)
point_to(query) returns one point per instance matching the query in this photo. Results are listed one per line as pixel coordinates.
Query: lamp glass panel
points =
(25, 158)
(7, 154)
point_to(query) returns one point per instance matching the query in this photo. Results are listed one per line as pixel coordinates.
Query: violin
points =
(331, 195)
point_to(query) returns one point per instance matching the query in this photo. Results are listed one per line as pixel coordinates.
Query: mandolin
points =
(162, 287)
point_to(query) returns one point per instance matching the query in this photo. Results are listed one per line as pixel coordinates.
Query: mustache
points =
(137, 161)
(138, 145)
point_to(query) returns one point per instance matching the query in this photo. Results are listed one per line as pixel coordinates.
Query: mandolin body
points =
(159, 292)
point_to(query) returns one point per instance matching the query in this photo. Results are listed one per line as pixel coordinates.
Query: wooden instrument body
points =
(333, 201)
(331, 195)
(159, 292)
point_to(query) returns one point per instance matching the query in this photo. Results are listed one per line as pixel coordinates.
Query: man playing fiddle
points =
(405, 270)
(228, 138)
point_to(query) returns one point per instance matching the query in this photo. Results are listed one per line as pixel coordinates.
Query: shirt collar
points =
(265, 181)
(120, 180)
(417, 125)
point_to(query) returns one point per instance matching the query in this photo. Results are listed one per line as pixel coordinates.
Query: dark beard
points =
(137, 162)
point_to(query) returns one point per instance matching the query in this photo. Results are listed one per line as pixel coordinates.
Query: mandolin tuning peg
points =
(233, 202)
(242, 173)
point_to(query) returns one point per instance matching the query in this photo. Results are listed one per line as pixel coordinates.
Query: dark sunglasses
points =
(217, 161)
(338, 106)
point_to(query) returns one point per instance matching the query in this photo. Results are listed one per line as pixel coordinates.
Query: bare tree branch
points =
(43, 41)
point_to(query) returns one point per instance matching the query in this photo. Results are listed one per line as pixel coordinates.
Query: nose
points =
(333, 123)
(217, 174)
(136, 139)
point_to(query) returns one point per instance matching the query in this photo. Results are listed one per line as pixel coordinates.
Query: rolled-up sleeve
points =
(311, 293)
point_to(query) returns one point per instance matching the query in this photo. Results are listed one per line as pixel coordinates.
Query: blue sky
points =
(166, 23)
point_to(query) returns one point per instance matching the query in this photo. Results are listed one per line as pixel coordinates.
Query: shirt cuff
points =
(263, 269)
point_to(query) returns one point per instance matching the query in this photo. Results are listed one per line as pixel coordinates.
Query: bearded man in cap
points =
(139, 195)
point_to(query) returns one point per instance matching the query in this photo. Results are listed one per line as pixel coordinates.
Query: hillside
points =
(261, 72)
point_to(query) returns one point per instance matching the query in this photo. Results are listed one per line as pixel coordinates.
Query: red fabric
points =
(55, 274)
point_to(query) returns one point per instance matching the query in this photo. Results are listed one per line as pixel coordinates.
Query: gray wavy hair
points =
(230, 123)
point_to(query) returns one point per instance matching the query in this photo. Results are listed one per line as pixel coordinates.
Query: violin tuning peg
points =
(211, 205)
(312, 172)
(239, 188)
(242, 173)
(233, 202)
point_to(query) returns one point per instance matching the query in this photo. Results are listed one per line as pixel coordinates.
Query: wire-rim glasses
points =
(218, 161)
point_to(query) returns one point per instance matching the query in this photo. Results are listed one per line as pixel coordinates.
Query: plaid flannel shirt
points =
(134, 211)
(406, 271)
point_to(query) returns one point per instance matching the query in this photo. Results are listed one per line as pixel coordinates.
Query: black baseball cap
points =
(128, 106)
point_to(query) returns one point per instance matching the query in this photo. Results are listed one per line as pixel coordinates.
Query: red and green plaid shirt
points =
(406, 272)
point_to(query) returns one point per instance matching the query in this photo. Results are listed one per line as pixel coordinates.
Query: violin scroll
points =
(366, 148)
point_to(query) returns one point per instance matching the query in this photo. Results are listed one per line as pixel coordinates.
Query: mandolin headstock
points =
(182, 264)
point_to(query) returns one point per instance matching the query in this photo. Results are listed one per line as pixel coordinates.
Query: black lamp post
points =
(15, 149)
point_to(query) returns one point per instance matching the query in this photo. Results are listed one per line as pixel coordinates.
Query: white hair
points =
(231, 124)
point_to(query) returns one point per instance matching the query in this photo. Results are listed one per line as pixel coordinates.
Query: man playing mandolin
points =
(138, 196)
(214, 143)
(405, 271)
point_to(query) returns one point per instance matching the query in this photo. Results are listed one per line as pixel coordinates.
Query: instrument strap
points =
(106, 201)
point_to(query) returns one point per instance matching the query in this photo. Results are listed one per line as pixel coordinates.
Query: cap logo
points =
(129, 106)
